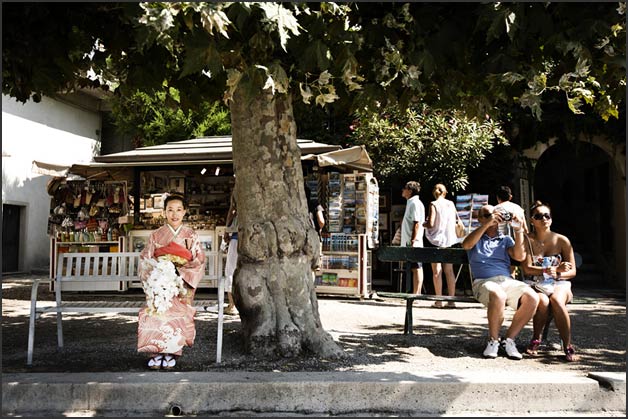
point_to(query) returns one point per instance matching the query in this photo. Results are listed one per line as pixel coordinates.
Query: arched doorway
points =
(575, 180)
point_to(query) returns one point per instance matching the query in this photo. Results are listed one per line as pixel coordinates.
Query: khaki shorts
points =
(514, 289)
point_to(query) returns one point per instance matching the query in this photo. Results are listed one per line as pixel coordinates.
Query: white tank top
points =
(443, 234)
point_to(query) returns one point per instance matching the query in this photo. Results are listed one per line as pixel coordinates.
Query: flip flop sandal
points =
(570, 354)
(155, 362)
(168, 362)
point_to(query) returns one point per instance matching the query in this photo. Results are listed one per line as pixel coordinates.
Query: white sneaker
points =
(492, 347)
(511, 349)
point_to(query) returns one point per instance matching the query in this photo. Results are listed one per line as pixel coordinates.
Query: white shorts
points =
(514, 289)
(558, 285)
(231, 263)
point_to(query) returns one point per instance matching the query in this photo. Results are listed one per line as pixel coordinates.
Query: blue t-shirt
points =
(489, 257)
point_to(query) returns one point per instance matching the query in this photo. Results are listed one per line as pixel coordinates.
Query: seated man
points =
(489, 255)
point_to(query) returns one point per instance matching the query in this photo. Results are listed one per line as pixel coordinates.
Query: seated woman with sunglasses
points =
(550, 260)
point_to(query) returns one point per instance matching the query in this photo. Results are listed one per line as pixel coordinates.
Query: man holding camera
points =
(489, 254)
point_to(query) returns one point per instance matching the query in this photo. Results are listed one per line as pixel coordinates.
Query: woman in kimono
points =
(164, 334)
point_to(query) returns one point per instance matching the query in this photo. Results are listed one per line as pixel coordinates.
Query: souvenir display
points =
(86, 211)
(467, 206)
(352, 227)
(119, 216)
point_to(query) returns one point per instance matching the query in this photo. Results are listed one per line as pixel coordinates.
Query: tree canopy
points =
(425, 144)
(151, 119)
(488, 58)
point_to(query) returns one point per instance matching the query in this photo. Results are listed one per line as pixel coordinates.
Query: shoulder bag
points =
(396, 241)
(460, 230)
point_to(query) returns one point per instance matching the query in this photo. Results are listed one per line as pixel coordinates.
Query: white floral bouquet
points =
(162, 285)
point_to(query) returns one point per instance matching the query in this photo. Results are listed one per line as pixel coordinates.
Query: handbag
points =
(396, 241)
(460, 230)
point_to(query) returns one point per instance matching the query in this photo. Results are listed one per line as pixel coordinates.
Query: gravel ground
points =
(370, 331)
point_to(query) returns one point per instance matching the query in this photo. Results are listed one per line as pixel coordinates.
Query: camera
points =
(506, 216)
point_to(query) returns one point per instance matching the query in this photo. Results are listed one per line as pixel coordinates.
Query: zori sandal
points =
(169, 362)
(155, 362)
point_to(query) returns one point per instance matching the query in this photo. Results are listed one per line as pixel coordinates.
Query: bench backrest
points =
(456, 256)
(105, 266)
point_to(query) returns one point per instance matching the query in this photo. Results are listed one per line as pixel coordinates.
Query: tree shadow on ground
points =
(107, 342)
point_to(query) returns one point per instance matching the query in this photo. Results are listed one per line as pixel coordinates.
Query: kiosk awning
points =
(96, 171)
(349, 158)
(49, 169)
(198, 151)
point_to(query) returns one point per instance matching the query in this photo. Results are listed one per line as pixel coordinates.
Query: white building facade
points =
(60, 131)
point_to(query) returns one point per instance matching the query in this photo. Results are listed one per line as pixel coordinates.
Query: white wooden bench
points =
(95, 268)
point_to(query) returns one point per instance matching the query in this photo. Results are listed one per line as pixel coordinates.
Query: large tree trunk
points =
(273, 285)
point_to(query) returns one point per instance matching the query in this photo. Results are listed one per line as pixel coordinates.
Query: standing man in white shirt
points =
(412, 230)
(506, 208)
(505, 205)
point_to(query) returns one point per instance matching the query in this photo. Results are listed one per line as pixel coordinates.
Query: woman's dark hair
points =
(537, 204)
(175, 196)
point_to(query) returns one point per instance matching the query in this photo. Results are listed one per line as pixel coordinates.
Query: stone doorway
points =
(576, 181)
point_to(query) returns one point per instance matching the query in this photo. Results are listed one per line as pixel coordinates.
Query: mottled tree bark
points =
(277, 247)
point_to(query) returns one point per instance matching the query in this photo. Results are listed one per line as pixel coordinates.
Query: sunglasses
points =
(540, 216)
(486, 215)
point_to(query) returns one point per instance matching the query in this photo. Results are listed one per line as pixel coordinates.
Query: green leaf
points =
(200, 53)
(213, 18)
(585, 94)
(174, 94)
(306, 93)
(512, 77)
(532, 101)
(582, 69)
(283, 20)
(280, 77)
(324, 77)
(538, 84)
(574, 104)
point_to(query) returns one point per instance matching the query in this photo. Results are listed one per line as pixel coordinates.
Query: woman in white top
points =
(440, 230)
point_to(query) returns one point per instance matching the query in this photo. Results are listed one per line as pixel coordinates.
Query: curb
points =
(331, 393)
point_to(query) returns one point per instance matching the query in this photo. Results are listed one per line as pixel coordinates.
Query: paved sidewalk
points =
(437, 371)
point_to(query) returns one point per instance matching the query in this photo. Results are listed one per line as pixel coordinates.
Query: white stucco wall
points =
(51, 132)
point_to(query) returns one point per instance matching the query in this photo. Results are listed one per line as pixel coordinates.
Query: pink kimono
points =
(169, 332)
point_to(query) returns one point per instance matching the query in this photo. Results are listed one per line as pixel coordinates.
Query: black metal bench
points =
(456, 256)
